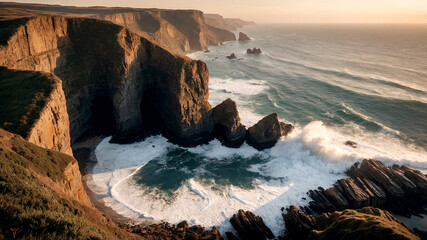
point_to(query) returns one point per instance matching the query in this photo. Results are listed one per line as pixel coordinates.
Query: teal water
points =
(365, 83)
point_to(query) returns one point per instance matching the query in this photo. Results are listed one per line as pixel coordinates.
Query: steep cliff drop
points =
(178, 31)
(100, 60)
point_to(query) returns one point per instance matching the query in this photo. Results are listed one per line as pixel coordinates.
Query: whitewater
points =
(367, 84)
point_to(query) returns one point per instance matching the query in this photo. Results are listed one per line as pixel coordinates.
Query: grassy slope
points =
(30, 210)
(23, 95)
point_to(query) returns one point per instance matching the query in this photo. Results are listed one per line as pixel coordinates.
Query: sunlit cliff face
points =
(325, 11)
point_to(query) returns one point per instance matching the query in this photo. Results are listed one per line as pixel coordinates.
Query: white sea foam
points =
(310, 157)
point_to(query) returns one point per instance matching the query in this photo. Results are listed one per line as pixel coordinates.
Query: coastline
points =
(84, 152)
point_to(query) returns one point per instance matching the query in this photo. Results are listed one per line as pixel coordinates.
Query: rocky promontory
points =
(398, 189)
(178, 31)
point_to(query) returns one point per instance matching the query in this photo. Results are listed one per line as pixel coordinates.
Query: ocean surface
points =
(364, 83)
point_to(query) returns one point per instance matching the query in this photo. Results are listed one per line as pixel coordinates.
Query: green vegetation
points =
(23, 95)
(29, 210)
(9, 27)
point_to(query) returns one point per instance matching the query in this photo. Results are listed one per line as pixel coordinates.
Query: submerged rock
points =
(243, 37)
(228, 127)
(232, 56)
(254, 51)
(250, 226)
(351, 144)
(267, 131)
(365, 223)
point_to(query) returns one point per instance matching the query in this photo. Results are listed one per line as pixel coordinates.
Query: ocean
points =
(334, 83)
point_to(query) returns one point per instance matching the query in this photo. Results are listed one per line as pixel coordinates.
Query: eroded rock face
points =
(137, 80)
(267, 131)
(365, 223)
(178, 31)
(243, 37)
(398, 189)
(250, 226)
(228, 126)
(52, 129)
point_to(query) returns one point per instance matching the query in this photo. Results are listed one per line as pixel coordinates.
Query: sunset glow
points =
(334, 11)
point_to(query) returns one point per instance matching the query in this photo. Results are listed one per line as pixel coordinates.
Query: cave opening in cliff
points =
(152, 122)
(102, 115)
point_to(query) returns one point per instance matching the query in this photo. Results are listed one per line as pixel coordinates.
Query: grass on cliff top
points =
(23, 95)
(9, 27)
(28, 209)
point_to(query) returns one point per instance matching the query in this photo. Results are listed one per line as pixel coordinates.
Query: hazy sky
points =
(283, 10)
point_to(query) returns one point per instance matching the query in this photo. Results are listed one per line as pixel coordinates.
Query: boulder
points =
(254, 51)
(250, 226)
(365, 223)
(243, 37)
(228, 128)
(232, 56)
(267, 131)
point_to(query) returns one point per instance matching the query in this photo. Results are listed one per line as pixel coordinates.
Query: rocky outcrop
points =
(228, 127)
(398, 189)
(52, 129)
(181, 231)
(250, 226)
(115, 79)
(365, 223)
(243, 37)
(267, 131)
(230, 24)
(232, 56)
(254, 51)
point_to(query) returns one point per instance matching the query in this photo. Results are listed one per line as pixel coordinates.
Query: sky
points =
(295, 11)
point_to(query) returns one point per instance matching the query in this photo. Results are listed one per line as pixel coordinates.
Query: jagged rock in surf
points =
(228, 127)
(250, 226)
(398, 189)
(254, 51)
(243, 37)
(232, 56)
(267, 131)
(365, 223)
(351, 144)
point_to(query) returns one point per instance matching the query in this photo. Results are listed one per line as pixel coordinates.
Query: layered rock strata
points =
(250, 226)
(398, 189)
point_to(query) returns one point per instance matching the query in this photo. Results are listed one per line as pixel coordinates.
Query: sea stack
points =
(267, 131)
(228, 127)
(232, 56)
(243, 37)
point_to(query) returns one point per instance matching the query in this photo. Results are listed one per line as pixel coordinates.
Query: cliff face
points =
(115, 82)
(151, 26)
(230, 24)
(52, 128)
(178, 31)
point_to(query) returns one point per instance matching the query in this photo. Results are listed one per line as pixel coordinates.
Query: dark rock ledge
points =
(398, 189)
